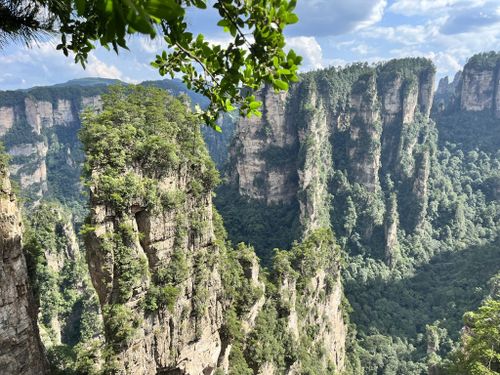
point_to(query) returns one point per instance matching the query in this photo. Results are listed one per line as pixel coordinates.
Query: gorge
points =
(372, 203)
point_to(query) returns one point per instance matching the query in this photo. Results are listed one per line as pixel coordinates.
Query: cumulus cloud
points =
(327, 17)
(97, 68)
(42, 64)
(310, 50)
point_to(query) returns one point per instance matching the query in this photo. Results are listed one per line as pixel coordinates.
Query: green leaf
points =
(282, 85)
(292, 18)
(284, 71)
(165, 9)
(224, 23)
(200, 4)
(255, 105)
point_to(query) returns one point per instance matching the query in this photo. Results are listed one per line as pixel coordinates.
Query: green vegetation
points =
(267, 226)
(70, 318)
(438, 191)
(483, 61)
(409, 70)
(479, 353)
(141, 129)
(469, 131)
(4, 160)
(144, 138)
(271, 341)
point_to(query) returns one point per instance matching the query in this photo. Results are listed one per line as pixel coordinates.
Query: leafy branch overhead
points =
(226, 75)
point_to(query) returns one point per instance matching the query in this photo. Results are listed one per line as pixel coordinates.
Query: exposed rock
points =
(64, 113)
(327, 315)
(21, 351)
(30, 168)
(254, 136)
(374, 126)
(477, 89)
(167, 339)
(391, 233)
(365, 130)
(38, 114)
(6, 119)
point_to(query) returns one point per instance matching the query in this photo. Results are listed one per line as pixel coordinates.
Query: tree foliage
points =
(255, 54)
(479, 353)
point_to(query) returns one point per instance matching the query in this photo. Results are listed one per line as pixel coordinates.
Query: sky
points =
(329, 32)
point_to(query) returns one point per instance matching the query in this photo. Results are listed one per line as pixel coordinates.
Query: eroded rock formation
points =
(21, 351)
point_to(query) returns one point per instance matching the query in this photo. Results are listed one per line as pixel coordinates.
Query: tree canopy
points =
(255, 54)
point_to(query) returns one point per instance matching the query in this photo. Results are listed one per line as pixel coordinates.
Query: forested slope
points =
(412, 199)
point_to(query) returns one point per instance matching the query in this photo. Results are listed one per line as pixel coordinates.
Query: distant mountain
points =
(90, 81)
(39, 128)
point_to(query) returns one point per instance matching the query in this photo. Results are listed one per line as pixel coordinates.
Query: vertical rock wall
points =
(21, 351)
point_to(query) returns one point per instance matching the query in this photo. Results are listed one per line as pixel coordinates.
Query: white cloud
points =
(405, 34)
(361, 48)
(328, 17)
(377, 12)
(309, 48)
(430, 7)
(152, 46)
(446, 63)
(97, 68)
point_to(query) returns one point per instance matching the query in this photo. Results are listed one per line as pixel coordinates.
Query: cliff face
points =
(475, 89)
(176, 299)
(69, 310)
(39, 127)
(21, 351)
(183, 334)
(367, 125)
(257, 177)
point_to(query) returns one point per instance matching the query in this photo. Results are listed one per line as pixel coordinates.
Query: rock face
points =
(39, 126)
(258, 177)
(477, 88)
(152, 252)
(183, 337)
(21, 351)
(369, 125)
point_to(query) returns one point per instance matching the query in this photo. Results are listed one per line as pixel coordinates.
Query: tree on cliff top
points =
(479, 353)
(254, 56)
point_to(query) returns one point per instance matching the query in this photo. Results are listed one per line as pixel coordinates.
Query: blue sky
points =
(330, 32)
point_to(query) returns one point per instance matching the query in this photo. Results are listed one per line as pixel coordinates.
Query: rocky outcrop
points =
(69, 313)
(6, 119)
(369, 123)
(21, 351)
(44, 122)
(184, 335)
(365, 130)
(273, 178)
(476, 88)
(33, 126)
(175, 298)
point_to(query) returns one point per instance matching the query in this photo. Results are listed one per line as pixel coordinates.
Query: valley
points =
(347, 230)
